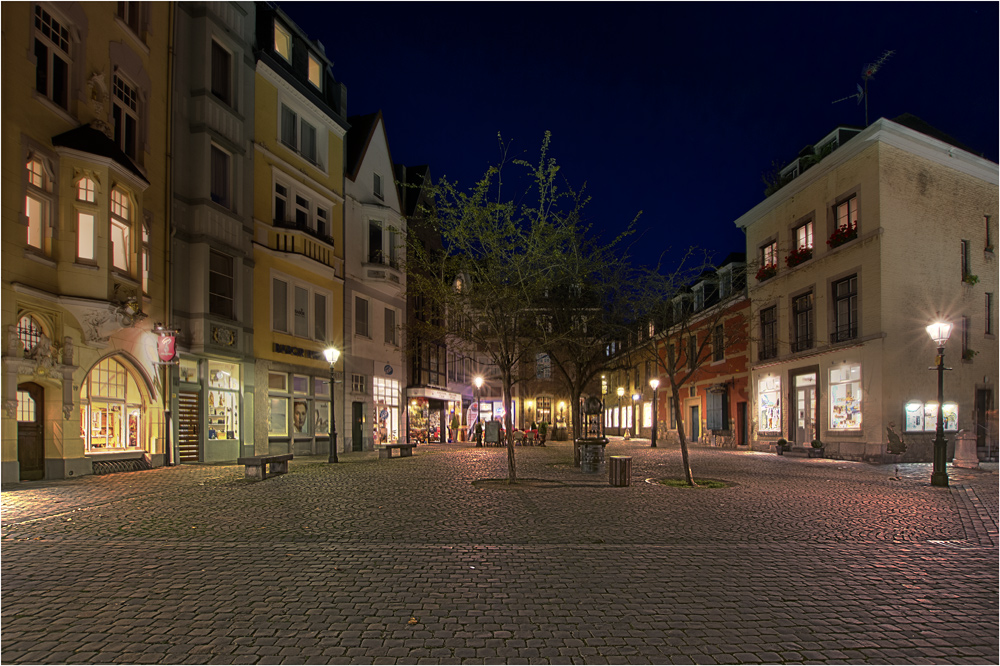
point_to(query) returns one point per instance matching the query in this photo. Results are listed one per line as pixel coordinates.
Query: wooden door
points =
(357, 426)
(30, 435)
(188, 425)
(695, 424)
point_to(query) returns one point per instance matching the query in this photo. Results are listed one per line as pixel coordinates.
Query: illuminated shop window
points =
(111, 409)
(845, 398)
(922, 417)
(769, 404)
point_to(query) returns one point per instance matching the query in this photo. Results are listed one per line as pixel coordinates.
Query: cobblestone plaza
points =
(415, 560)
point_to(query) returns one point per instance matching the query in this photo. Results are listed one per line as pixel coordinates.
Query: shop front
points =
(430, 414)
(298, 401)
(211, 410)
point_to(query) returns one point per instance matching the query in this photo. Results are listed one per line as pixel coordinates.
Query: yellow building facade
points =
(298, 245)
(85, 109)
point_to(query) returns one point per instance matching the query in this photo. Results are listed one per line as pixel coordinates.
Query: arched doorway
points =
(30, 436)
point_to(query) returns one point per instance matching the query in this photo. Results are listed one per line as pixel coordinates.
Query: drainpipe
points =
(168, 387)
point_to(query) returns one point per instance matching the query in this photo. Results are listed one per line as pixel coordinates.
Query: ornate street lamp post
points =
(478, 381)
(635, 413)
(332, 354)
(621, 421)
(940, 332)
(654, 383)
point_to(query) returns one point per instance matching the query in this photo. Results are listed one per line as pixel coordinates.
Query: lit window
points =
(86, 190)
(769, 254)
(769, 404)
(922, 417)
(121, 230)
(847, 214)
(282, 41)
(111, 408)
(25, 407)
(52, 62)
(315, 72)
(804, 236)
(85, 236)
(36, 176)
(37, 205)
(845, 398)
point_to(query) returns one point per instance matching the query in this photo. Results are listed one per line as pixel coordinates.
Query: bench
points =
(257, 466)
(405, 450)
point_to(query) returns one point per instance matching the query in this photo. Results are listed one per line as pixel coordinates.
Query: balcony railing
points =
(767, 351)
(305, 228)
(844, 333)
(802, 344)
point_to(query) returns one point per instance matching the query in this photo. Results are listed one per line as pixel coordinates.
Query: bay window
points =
(121, 231)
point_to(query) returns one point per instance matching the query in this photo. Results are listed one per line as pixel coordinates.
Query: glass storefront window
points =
(386, 395)
(111, 408)
(277, 424)
(845, 398)
(322, 418)
(769, 404)
(223, 421)
(647, 415)
(300, 417)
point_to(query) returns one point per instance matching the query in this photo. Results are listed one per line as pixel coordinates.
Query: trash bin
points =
(620, 471)
(592, 454)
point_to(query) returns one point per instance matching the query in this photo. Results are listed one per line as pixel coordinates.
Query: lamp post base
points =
(939, 479)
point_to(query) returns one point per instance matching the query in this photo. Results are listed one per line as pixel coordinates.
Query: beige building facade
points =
(892, 230)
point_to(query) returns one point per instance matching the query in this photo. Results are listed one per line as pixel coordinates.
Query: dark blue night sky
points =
(673, 109)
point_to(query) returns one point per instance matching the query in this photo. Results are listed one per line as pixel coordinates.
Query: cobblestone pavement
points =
(417, 560)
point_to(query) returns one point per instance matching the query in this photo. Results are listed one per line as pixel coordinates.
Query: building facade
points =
(211, 256)
(374, 290)
(891, 230)
(298, 238)
(85, 232)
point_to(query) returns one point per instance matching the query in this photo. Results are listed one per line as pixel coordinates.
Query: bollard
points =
(592, 454)
(620, 471)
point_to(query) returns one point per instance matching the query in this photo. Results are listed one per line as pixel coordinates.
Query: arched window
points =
(111, 408)
(29, 332)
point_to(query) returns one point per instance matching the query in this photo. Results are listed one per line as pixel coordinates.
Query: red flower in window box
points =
(844, 233)
(767, 272)
(796, 257)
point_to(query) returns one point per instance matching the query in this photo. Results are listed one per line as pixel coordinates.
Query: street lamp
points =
(621, 392)
(654, 384)
(332, 354)
(478, 381)
(940, 331)
(530, 406)
(635, 412)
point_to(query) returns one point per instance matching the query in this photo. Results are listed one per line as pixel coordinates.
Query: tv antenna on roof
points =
(867, 73)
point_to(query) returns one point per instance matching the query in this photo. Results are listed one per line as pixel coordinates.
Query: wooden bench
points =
(405, 450)
(257, 466)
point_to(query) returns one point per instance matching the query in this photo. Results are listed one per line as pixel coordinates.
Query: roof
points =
(918, 125)
(357, 140)
(86, 139)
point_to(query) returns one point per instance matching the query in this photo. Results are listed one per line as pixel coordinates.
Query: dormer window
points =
(725, 284)
(282, 41)
(315, 72)
(699, 297)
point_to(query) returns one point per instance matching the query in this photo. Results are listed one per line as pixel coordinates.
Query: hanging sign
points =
(166, 344)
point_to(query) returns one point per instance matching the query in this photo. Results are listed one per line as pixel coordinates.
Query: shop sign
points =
(166, 344)
(298, 351)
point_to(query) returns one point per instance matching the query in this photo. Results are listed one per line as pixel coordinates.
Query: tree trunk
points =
(685, 460)
(505, 395)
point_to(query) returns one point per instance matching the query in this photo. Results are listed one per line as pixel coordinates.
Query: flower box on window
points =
(843, 234)
(796, 257)
(767, 272)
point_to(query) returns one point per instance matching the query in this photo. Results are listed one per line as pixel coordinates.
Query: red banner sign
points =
(165, 347)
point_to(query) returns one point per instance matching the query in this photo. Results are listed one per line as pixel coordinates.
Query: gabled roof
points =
(918, 125)
(86, 139)
(359, 137)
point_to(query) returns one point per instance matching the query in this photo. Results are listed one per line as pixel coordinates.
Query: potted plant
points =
(816, 444)
(767, 272)
(782, 446)
(969, 278)
(543, 429)
(969, 354)
(796, 257)
(843, 233)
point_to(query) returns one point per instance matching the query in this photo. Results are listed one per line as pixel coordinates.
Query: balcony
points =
(802, 344)
(844, 333)
(303, 227)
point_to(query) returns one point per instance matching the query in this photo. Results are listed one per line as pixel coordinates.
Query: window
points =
(86, 190)
(111, 408)
(543, 410)
(769, 254)
(673, 414)
(85, 236)
(718, 343)
(221, 286)
(804, 236)
(717, 410)
(358, 384)
(29, 332)
(322, 222)
(220, 176)
(121, 231)
(308, 147)
(802, 321)
(126, 116)
(128, 12)
(319, 317)
(845, 398)
(393, 245)
(769, 404)
(385, 393)
(966, 259)
(300, 312)
(989, 314)
(725, 284)
(375, 254)
(360, 316)
(699, 297)
(52, 61)
(692, 352)
(768, 332)
(989, 234)
(145, 258)
(37, 205)
(302, 208)
(390, 326)
(922, 417)
(847, 214)
(223, 400)
(298, 208)
(966, 333)
(289, 128)
(315, 72)
(26, 407)
(282, 41)
(377, 186)
(221, 73)
(279, 305)
(845, 309)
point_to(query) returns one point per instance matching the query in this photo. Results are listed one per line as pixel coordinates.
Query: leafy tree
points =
(501, 258)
